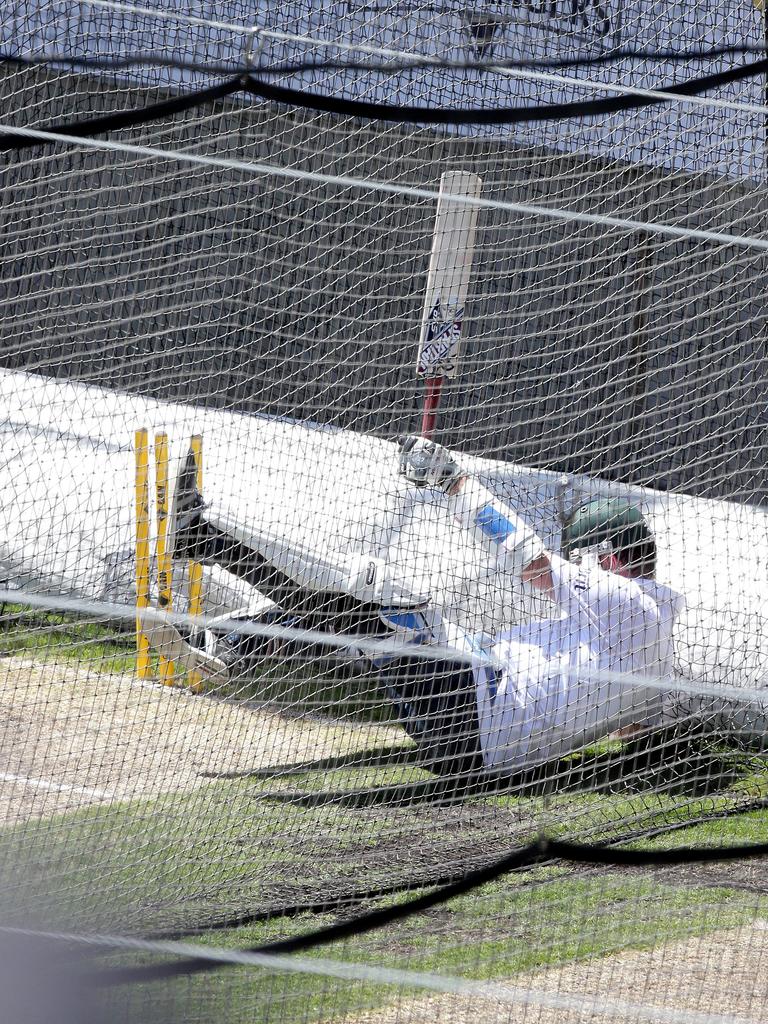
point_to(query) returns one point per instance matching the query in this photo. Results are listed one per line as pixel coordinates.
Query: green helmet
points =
(617, 525)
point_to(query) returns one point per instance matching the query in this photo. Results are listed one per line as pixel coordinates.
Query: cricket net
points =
(185, 256)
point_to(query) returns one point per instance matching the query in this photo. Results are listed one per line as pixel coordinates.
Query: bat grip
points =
(434, 387)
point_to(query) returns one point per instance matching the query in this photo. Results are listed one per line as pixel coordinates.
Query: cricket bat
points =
(450, 265)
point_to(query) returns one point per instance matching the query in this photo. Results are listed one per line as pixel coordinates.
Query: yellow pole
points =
(195, 569)
(164, 568)
(141, 449)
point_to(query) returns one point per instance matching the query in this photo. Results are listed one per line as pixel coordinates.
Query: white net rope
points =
(254, 274)
(487, 1001)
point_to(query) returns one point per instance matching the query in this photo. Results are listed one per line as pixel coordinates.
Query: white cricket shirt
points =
(545, 702)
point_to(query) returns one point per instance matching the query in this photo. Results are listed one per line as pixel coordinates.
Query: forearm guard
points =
(495, 526)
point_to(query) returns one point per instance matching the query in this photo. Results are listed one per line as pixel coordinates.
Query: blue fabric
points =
(493, 524)
(493, 686)
(405, 620)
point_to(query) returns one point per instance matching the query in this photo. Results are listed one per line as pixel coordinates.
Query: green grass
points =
(47, 635)
(751, 827)
(228, 847)
(521, 923)
(501, 930)
(232, 847)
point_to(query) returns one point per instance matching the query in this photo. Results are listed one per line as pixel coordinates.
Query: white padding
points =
(364, 577)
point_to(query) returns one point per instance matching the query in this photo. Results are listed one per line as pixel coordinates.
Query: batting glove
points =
(427, 463)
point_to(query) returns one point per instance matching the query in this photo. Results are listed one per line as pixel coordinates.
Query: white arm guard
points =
(496, 527)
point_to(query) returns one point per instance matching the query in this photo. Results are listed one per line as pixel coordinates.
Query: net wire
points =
(255, 275)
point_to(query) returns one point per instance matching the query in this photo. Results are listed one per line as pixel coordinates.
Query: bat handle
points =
(431, 402)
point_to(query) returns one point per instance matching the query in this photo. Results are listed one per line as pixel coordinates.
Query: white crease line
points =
(56, 787)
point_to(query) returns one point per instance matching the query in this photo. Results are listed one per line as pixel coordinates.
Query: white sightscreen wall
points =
(68, 457)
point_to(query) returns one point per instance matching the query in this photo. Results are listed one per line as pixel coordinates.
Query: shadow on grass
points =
(671, 761)
(668, 761)
(376, 757)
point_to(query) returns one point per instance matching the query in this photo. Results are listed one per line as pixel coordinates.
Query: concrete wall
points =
(587, 350)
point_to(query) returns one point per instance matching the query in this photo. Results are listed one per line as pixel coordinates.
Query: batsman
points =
(486, 705)
(494, 705)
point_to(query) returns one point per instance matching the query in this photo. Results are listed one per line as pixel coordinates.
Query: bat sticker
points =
(442, 334)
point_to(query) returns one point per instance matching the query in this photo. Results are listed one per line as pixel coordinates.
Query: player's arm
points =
(515, 547)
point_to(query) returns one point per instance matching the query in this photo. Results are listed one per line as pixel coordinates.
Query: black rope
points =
(383, 111)
(542, 850)
(502, 115)
(127, 118)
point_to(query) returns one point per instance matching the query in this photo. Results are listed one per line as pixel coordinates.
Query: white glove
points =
(427, 463)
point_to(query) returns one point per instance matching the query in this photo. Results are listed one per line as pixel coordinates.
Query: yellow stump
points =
(195, 569)
(141, 449)
(164, 568)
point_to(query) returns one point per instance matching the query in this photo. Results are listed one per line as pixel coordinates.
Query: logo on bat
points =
(441, 336)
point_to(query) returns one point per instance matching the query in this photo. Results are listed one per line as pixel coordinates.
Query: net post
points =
(141, 482)
(164, 566)
(195, 568)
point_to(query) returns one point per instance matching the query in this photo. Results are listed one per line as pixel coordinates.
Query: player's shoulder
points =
(618, 591)
(600, 587)
(670, 602)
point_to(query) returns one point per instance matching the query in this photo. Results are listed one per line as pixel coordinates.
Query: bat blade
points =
(450, 265)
